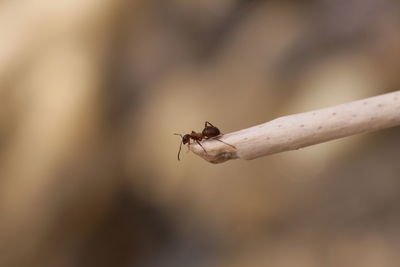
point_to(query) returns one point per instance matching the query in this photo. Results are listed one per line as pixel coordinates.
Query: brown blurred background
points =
(91, 92)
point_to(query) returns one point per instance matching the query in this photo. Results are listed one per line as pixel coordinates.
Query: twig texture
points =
(305, 129)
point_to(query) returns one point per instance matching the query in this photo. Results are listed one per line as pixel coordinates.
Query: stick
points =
(305, 129)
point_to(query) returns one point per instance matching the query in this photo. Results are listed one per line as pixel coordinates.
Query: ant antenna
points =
(180, 146)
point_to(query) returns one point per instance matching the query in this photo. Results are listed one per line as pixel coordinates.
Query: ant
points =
(208, 132)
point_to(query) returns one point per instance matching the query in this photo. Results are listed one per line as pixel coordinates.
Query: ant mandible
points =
(209, 131)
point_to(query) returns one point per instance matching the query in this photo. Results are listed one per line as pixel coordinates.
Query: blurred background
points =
(91, 93)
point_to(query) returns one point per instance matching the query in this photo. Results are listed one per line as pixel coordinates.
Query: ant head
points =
(186, 139)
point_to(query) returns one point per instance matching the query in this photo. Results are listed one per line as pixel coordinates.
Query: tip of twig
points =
(217, 152)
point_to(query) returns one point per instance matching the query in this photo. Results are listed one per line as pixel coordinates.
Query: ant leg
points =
(207, 122)
(225, 143)
(188, 146)
(197, 141)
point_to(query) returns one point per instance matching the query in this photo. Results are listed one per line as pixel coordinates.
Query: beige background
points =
(91, 92)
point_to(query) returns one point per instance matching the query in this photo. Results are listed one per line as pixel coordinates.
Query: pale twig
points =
(305, 129)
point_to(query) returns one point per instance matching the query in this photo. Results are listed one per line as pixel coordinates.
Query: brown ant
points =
(208, 132)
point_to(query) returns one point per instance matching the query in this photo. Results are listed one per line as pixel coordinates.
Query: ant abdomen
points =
(210, 131)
